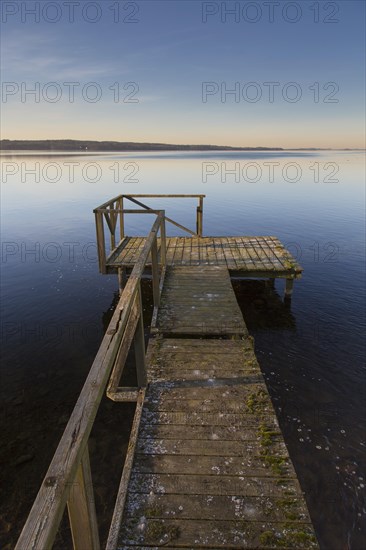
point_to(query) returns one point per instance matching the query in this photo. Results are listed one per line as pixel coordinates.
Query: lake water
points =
(55, 306)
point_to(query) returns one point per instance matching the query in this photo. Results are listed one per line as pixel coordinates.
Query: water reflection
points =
(312, 355)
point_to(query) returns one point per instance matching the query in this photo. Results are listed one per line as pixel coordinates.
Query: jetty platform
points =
(207, 465)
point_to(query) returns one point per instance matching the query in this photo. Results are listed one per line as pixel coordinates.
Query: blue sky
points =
(163, 53)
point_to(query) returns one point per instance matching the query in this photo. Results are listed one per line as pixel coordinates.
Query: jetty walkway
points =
(206, 466)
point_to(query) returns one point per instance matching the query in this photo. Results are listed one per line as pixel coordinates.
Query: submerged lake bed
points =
(56, 307)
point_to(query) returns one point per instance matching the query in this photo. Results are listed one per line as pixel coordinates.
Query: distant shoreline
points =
(119, 146)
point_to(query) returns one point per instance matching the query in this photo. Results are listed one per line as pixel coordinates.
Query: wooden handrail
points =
(68, 479)
(148, 196)
(113, 211)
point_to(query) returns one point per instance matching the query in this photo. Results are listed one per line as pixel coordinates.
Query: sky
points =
(241, 73)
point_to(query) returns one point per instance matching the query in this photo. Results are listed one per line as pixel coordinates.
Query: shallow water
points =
(56, 306)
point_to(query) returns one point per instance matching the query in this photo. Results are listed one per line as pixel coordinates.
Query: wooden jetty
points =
(207, 466)
(255, 257)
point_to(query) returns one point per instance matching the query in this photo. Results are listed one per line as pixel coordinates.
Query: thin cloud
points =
(23, 56)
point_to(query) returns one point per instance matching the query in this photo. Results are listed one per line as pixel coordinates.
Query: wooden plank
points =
(220, 255)
(129, 251)
(256, 262)
(170, 250)
(213, 485)
(178, 256)
(262, 257)
(218, 534)
(195, 257)
(160, 374)
(164, 195)
(123, 350)
(230, 246)
(210, 250)
(175, 252)
(212, 448)
(238, 421)
(212, 432)
(108, 203)
(155, 274)
(196, 359)
(139, 344)
(115, 257)
(162, 244)
(121, 219)
(100, 241)
(205, 257)
(118, 255)
(276, 251)
(202, 405)
(81, 508)
(268, 248)
(187, 252)
(257, 255)
(223, 507)
(236, 347)
(199, 300)
(245, 261)
(209, 393)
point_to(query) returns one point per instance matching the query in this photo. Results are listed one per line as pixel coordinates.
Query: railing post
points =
(155, 272)
(163, 242)
(81, 508)
(112, 220)
(100, 241)
(139, 344)
(122, 279)
(199, 216)
(121, 219)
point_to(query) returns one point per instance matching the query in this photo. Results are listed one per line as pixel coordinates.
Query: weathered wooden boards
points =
(247, 254)
(199, 300)
(211, 469)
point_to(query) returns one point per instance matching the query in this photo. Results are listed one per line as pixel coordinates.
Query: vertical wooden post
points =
(139, 345)
(81, 508)
(121, 279)
(289, 288)
(121, 219)
(155, 273)
(163, 242)
(100, 241)
(112, 218)
(200, 217)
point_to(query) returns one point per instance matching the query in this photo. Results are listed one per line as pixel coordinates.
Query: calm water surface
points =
(55, 307)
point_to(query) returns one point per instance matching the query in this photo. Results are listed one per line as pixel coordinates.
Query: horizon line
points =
(161, 145)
